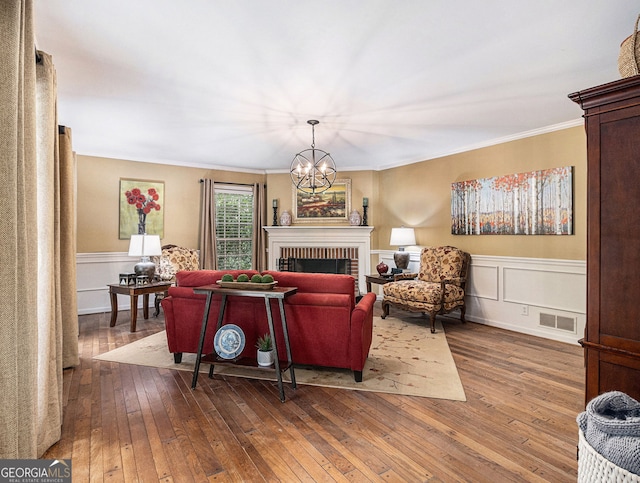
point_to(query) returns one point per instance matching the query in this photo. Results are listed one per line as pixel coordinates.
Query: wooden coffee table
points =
(134, 291)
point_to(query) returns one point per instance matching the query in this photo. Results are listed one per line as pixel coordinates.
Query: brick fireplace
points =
(352, 242)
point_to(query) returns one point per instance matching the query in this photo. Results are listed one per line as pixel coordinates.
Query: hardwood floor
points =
(134, 423)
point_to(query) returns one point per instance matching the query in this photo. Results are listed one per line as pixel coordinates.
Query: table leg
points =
(223, 306)
(145, 305)
(114, 308)
(368, 286)
(285, 331)
(134, 311)
(275, 347)
(203, 332)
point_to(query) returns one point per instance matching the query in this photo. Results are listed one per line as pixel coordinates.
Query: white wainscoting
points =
(94, 272)
(500, 289)
(517, 293)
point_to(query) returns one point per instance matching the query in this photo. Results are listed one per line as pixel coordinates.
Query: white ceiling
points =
(231, 83)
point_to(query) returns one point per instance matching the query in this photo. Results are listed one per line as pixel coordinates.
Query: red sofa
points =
(326, 327)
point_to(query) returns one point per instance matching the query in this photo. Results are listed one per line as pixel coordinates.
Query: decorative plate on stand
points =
(229, 341)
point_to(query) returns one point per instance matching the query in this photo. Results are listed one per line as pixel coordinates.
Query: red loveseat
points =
(326, 327)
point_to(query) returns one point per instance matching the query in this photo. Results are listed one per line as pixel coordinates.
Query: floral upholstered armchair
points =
(172, 260)
(438, 288)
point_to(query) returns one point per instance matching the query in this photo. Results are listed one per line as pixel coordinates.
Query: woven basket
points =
(629, 54)
(593, 467)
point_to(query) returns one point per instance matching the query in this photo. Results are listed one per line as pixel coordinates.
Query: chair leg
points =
(432, 317)
(156, 304)
(462, 311)
(385, 309)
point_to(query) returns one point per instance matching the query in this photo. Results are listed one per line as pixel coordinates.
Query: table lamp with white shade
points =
(145, 246)
(402, 237)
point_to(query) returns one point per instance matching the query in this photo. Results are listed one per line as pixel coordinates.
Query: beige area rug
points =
(405, 358)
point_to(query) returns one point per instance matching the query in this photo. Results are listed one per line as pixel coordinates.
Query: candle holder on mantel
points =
(275, 212)
(365, 207)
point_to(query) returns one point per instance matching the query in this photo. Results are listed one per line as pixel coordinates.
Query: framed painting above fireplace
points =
(331, 206)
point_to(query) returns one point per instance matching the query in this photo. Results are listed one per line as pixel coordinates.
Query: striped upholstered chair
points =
(438, 288)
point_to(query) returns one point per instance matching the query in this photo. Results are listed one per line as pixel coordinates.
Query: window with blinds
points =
(234, 227)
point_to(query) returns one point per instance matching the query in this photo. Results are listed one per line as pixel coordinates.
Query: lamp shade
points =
(144, 246)
(402, 237)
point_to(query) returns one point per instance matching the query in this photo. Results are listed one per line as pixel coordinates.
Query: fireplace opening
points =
(315, 265)
(340, 260)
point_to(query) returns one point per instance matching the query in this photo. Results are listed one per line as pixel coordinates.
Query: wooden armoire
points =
(612, 335)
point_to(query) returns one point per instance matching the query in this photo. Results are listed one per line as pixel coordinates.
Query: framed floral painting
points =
(330, 206)
(141, 208)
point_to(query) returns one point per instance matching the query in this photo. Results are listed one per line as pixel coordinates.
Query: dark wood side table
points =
(134, 291)
(279, 293)
(378, 279)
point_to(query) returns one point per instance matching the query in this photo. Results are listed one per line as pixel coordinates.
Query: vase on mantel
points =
(285, 218)
(354, 218)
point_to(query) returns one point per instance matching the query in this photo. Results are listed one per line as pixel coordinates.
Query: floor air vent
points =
(560, 322)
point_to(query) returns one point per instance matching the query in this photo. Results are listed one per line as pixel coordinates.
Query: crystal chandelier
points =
(313, 170)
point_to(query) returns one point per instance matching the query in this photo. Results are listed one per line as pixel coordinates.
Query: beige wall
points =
(99, 188)
(415, 195)
(421, 195)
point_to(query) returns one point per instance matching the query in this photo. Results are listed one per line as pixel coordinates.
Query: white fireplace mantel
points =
(322, 236)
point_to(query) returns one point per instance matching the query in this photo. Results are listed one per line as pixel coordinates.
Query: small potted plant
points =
(266, 353)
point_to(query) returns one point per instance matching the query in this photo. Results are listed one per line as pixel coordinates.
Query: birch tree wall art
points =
(534, 203)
